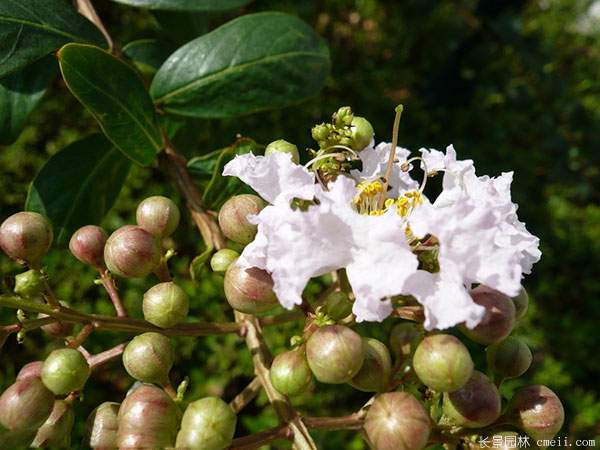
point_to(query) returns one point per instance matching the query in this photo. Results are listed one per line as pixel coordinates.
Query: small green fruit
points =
(338, 305)
(149, 358)
(374, 375)
(475, 405)
(498, 320)
(335, 354)
(26, 404)
(521, 302)
(537, 411)
(283, 146)
(249, 290)
(102, 426)
(290, 373)
(56, 430)
(158, 215)
(233, 217)
(165, 305)
(362, 133)
(65, 370)
(131, 252)
(510, 358)
(222, 259)
(397, 421)
(87, 245)
(442, 363)
(26, 237)
(207, 424)
(148, 418)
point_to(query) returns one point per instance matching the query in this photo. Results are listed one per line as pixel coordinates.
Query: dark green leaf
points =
(20, 92)
(256, 62)
(116, 97)
(148, 54)
(78, 185)
(207, 169)
(30, 29)
(186, 5)
(182, 27)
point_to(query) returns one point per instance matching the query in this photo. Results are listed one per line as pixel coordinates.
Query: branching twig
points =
(113, 293)
(99, 359)
(257, 440)
(246, 396)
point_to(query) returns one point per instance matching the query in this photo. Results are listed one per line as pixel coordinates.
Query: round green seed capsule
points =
(158, 215)
(165, 305)
(65, 370)
(131, 252)
(510, 358)
(335, 354)
(362, 133)
(374, 375)
(222, 259)
(26, 237)
(249, 290)
(149, 358)
(283, 146)
(207, 424)
(233, 217)
(290, 373)
(442, 363)
(475, 405)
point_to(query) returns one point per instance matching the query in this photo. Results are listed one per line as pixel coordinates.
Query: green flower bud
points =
(65, 370)
(475, 405)
(87, 245)
(131, 252)
(343, 117)
(290, 373)
(26, 404)
(362, 133)
(521, 302)
(283, 146)
(29, 284)
(149, 358)
(148, 418)
(397, 421)
(443, 363)
(404, 338)
(537, 411)
(249, 290)
(510, 358)
(56, 431)
(165, 305)
(31, 370)
(26, 237)
(102, 426)
(233, 217)
(499, 318)
(335, 354)
(320, 132)
(207, 424)
(338, 305)
(374, 375)
(158, 215)
(222, 259)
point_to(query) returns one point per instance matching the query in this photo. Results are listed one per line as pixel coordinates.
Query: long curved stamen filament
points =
(390, 164)
(425, 171)
(320, 157)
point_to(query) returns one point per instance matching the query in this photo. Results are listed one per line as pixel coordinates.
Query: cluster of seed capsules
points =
(428, 392)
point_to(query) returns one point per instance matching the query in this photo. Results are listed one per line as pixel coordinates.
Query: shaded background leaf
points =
(148, 54)
(31, 29)
(78, 185)
(256, 62)
(115, 95)
(20, 93)
(186, 5)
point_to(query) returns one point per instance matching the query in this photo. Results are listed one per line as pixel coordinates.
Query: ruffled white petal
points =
(272, 175)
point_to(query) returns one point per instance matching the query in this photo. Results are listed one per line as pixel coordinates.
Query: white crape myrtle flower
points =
(346, 226)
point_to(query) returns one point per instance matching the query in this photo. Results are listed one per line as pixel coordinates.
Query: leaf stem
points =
(86, 8)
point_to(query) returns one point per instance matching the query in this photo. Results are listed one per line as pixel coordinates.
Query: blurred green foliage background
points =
(512, 84)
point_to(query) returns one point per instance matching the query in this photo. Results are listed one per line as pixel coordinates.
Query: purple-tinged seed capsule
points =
(131, 252)
(26, 237)
(158, 215)
(87, 245)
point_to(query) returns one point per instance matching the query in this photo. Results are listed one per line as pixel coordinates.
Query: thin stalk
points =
(246, 395)
(113, 293)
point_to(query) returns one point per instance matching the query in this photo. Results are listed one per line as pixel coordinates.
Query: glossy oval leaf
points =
(30, 29)
(256, 62)
(115, 95)
(186, 5)
(20, 92)
(148, 54)
(78, 185)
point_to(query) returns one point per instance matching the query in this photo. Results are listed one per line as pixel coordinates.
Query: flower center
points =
(369, 196)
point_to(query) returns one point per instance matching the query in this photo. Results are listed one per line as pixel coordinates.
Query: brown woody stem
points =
(246, 396)
(257, 440)
(102, 358)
